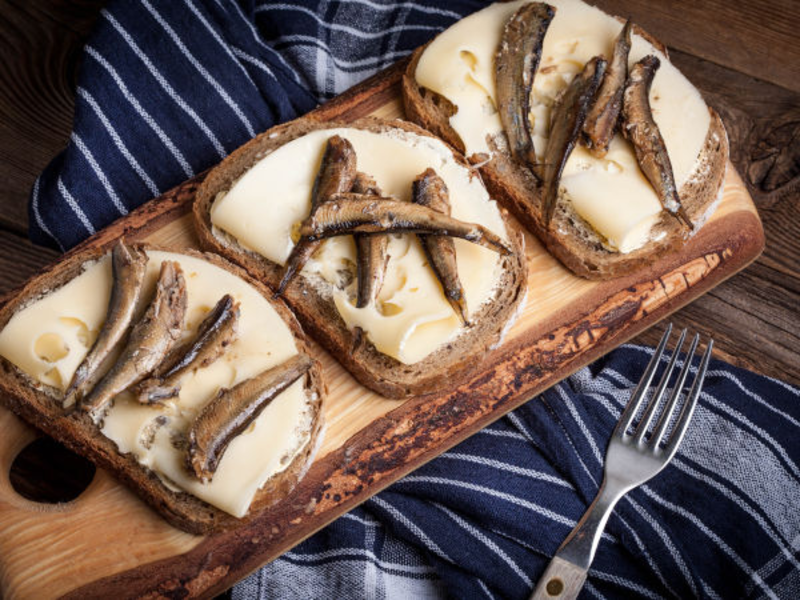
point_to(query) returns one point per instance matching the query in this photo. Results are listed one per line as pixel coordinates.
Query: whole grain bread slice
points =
(454, 361)
(41, 406)
(569, 238)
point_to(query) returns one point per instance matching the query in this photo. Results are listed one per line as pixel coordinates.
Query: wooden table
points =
(745, 58)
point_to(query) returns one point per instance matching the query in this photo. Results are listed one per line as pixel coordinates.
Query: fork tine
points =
(659, 394)
(627, 416)
(691, 402)
(666, 416)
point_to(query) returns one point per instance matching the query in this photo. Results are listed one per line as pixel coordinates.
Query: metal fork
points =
(631, 460)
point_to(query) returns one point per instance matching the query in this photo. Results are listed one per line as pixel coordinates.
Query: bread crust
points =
(570, 239)
(448, 365)
(40, 406)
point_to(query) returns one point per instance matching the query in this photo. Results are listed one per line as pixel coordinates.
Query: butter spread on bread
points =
(49, 337)
(609, 193)
(411, 317)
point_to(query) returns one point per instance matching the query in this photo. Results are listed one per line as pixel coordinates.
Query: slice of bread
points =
(450, 363)
(41, 406)
(570, 238)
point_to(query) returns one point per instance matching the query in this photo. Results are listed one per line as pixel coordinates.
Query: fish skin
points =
(337, 173)
(347, 214)
(430, 190)
(217, 331)
(641, 130)
(566, 122)
(151, 338)
(366, 184)
(232, 410)
(128, 268)
(371, 256)
(604, 114)
(516, 62)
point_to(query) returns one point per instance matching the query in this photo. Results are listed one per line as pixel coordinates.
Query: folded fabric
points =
(167, 89)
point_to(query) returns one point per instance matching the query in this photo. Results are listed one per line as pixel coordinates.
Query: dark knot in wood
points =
(775, 159)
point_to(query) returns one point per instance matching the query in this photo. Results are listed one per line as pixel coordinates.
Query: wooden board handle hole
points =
(46, 472)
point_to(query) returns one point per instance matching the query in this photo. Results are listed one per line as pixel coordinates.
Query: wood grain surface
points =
(756, 37)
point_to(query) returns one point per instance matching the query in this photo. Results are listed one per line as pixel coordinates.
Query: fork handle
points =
(567, 571)
(561, 580)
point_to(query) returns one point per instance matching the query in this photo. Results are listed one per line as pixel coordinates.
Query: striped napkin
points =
(168, 88)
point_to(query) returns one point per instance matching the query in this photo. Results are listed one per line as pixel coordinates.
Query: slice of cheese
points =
(69, 318)
(610, 193)
(412, 318)
(459, 65)
(264, 340)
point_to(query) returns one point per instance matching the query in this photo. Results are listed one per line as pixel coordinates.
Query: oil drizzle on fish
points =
(151, 339)
(603, 117)
(566, 122)
(128, 268)
(516, 62)
(232, 410)
(217, 331)
(430, 190)
(347, 214)
(336, 174)
(641, 130)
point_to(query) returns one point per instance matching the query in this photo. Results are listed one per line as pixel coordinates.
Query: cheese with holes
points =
(610, 193)
(48, 339)
(411, 318)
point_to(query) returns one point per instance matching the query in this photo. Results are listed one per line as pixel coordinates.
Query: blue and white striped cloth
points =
(482, 520)
(168, 88)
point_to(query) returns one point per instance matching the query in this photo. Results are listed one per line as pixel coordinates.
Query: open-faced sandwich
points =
(173, 371)
(580, 124)
(382, 240)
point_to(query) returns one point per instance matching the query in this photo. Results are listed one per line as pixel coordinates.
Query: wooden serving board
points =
(108, 543)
